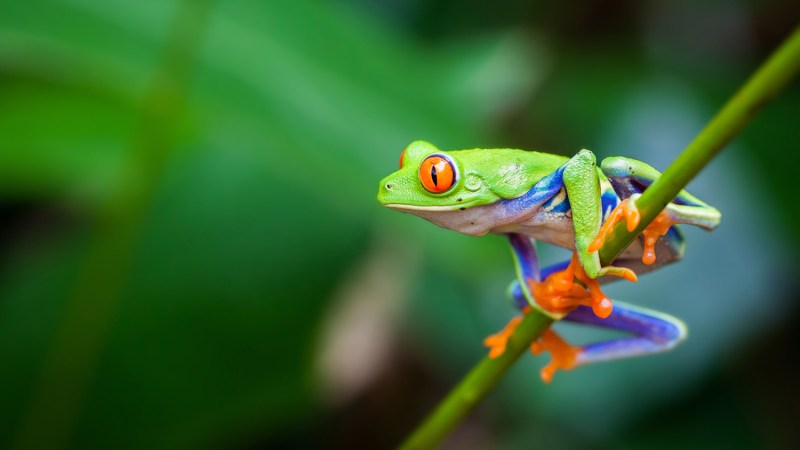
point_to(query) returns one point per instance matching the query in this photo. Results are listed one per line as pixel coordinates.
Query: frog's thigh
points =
(701, 216)
(653, 332)
(631, 176)
(624, 168)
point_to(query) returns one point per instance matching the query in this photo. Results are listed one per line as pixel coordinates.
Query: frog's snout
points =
(384, 190)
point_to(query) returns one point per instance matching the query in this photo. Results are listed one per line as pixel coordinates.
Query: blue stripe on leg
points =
(653, 332)
(525, 256)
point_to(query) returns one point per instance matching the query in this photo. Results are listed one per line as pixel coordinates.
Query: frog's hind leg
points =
(652, 332)
(630, 177)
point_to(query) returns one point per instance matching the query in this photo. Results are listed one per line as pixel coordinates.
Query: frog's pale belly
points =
(552, 228)
(544, 226)
(556, 229)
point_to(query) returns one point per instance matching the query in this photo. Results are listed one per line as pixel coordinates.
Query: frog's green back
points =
(510, 172)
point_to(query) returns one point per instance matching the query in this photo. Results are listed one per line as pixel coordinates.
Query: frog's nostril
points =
(388, 186)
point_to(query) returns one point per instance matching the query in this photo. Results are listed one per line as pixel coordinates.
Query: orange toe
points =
(601, 304)
(657, 228)
(497, 342)
(562, 355)
(625, 210)
(632, 216)
(560, 293)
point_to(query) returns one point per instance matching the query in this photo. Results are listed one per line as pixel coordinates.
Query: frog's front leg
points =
(582, 181)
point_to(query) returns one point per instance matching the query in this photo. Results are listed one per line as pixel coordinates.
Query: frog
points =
(530, 197)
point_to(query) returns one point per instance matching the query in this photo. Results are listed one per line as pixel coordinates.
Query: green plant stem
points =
(764, 85)
(478, 382)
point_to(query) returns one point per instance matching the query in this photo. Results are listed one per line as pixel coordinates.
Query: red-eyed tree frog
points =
(568, 202)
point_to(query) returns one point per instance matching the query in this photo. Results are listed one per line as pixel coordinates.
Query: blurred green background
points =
(193, 257)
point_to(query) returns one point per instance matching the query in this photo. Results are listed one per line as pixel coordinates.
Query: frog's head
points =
(443, 187)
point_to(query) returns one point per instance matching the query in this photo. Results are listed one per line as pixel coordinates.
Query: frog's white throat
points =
(497, 218)
(474, 221)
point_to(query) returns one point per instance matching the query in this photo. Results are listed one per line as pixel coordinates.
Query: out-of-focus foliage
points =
(192, 256)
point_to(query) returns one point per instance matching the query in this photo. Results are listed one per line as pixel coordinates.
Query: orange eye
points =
(437, 174)
(402, 156)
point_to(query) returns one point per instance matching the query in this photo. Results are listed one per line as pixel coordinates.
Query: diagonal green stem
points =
(764, 85)
(474, 387)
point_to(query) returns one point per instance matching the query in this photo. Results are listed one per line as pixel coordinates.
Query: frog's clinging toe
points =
(561, 353)
(626, 209)
(497, 342)
(657, 228)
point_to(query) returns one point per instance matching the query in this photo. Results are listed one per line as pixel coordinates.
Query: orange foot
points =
(562, 355)
(559, 293)
(498, 341)
(627, 209)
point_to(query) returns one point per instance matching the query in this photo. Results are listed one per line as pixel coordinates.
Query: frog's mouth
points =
(427, 208)
(407, 207)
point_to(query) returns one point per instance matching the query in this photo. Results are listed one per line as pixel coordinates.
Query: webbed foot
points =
(559, 293)
(562, 355)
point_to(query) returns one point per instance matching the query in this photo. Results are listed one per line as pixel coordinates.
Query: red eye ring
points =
(437, 174)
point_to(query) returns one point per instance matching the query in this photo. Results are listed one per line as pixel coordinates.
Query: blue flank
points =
(538, 194)
(545, 194)
(558, 204)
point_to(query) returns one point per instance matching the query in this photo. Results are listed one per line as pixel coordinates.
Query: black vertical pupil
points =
(433, 176)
